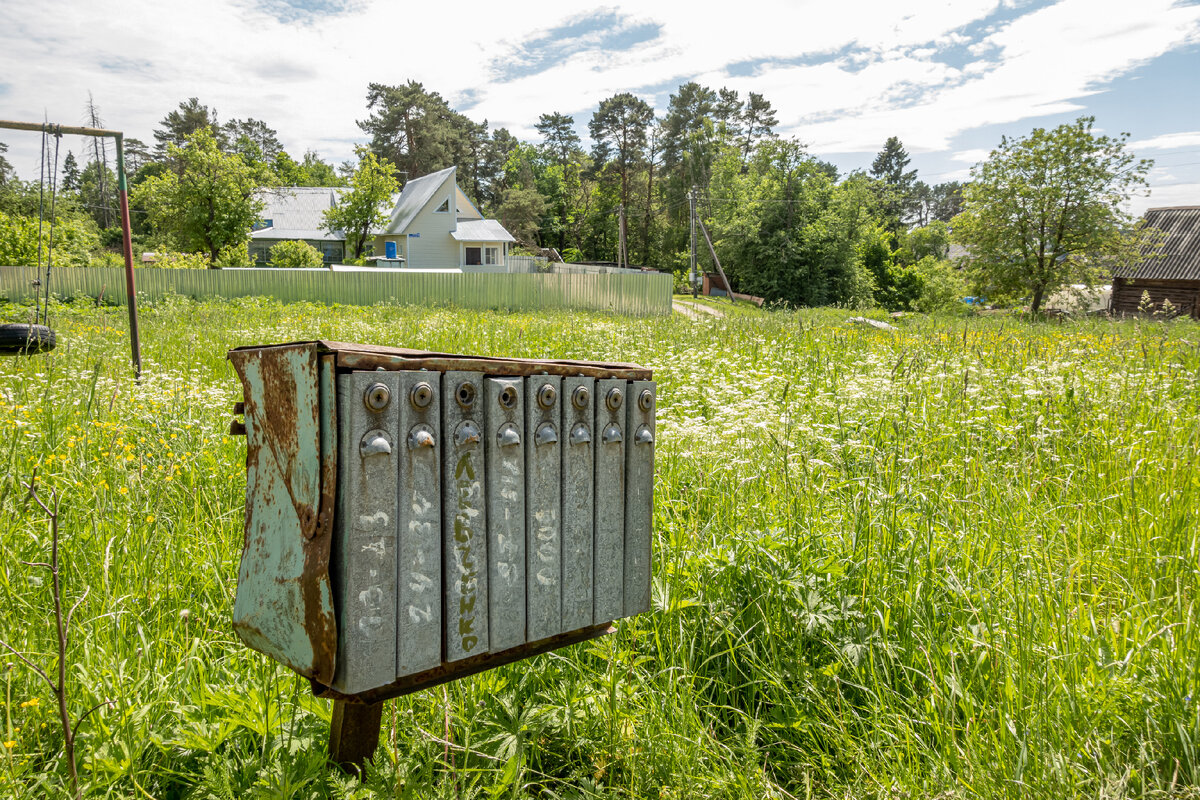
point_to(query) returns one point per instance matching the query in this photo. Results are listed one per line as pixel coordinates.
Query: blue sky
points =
(948, 78)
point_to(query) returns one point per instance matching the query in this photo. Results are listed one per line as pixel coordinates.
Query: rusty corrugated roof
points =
(1179, 259)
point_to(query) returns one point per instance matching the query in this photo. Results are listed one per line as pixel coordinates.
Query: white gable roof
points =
(416, 194)
(298, 212)
(481, 230)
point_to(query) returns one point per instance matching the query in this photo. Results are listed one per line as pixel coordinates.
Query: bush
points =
(296, 255)
(75, 238)
(18, 241)
(942, 285)
(181, 261)
(107, 258)
(234, 255)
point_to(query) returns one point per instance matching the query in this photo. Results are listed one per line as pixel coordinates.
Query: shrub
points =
(75, 238)
(234, 255)
(942, 286)
(181, 261)
(296, 255)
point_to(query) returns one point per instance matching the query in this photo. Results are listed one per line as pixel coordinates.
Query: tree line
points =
(785, 224)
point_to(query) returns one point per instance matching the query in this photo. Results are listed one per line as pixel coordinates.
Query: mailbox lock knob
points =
(465, 394)
(377, 397)
(421, 395)
(580, 397)
(546, 395)
(508, 397)
(613, 400)
(646, 400)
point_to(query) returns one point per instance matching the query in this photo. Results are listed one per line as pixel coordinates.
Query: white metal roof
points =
(312, 234)
(298, 208)
(416, 194)
(481, 230)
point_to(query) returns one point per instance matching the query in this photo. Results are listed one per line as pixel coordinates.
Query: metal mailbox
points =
(415, 517)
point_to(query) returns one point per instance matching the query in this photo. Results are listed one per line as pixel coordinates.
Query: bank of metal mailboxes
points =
(414, 517)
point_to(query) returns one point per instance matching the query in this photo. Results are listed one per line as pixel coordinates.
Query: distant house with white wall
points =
(297, 212)
(432, 225)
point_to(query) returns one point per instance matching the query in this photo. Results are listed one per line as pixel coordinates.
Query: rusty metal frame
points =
(367, 356)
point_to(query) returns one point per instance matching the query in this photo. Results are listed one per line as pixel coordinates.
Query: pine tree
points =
(70, 174)
(896, 184)
(181, 123)
(758, 121)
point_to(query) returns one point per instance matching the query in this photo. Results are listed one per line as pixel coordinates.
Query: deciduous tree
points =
(363, 208)
(209, 201)
(1045, 210)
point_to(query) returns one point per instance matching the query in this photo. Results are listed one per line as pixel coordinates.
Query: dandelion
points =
(10, 744)
(149, 518)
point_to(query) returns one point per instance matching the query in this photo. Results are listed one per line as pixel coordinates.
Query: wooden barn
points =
(1174, 275)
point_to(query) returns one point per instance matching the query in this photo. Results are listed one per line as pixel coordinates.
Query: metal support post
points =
(354, 734)
(692, 206)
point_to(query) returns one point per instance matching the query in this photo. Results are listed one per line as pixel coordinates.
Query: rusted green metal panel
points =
(284, 605)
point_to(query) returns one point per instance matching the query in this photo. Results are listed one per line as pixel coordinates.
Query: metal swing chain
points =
(37, 294)
(53, 204)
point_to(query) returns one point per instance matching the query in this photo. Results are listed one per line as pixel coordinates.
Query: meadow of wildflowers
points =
(959, 560)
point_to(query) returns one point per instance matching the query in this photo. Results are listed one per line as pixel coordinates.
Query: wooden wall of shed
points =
(1127, 295)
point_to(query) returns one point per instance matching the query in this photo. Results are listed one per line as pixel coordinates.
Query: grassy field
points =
(959, 560)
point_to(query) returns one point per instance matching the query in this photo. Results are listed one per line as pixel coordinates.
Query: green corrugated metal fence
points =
(640, 295)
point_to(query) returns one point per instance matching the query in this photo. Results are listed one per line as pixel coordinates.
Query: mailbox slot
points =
(465, 512)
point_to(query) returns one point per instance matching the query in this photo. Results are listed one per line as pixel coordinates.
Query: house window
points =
(331, 252)
(444, 208)
(491, 255)
(473, 256)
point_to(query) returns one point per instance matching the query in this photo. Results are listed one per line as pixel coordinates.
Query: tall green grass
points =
(955, 561)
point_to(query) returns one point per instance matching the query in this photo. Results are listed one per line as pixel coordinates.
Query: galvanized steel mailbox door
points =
(475, 511)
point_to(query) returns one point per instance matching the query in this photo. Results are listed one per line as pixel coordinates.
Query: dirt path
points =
(689, 309)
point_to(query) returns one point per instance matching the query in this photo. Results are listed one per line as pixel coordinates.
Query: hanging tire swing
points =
(21, 339)
(26, 339)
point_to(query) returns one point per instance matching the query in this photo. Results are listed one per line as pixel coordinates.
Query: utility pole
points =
(693, 274)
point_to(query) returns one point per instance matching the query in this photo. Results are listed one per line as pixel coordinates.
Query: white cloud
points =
(1175, 194)
(841, 77)
(1045, 63)
(973, 156)
(1168, 141)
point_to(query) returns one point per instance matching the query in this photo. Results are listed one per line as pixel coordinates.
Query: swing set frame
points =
(51, 129)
